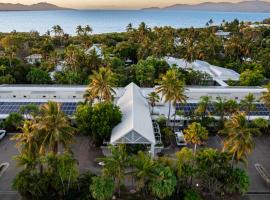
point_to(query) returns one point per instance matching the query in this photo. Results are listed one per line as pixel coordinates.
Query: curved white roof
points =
(217, 73)
(136, 126)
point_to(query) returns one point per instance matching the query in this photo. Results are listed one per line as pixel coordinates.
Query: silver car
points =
(2, 134)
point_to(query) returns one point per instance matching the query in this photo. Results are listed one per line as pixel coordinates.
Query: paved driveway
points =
(83, 153)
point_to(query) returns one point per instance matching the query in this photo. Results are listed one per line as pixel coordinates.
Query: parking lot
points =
(86, 158)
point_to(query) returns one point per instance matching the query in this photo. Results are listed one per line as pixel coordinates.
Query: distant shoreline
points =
(119, 10)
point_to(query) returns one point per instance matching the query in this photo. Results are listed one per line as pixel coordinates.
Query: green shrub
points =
(13, 122)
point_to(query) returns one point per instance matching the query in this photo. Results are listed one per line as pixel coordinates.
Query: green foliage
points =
(33, 185)
(191, 195)
(102, 188)
(251, 77)
(195, 134)
(237, 181)
(38, 76)
(164, 184)
(84, 183)
(7, 79)
(98, 120)
(13, 122)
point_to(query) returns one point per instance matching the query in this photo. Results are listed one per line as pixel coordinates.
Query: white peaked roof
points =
(34, 56)
(136, 126)
(97, 49)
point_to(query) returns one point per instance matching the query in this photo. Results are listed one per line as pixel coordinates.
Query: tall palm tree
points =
(247, 104)
(143, 172)
(178, 97)
(3, 69)
(265, 98)
(203, 105)
(10, 53)
(220, 108)
(116, 164)
(231, 106)
(239, 141)
(28, 144)
(153, 98)
(195, 133)
(79, 30)
(168, 87)
(54, 127)
(101, 84)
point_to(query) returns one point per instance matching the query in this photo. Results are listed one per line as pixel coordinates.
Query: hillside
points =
(243, 6)
(33, 7)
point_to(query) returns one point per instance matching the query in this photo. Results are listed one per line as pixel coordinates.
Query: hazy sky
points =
(112, 3)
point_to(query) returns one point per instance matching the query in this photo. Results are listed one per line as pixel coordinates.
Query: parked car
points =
(180, 139)
(2, 134)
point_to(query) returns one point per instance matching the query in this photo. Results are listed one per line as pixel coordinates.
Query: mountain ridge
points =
(242, 6)
(41, 6)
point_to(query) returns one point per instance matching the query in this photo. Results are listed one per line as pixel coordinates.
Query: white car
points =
(2, 134)
(180, 139)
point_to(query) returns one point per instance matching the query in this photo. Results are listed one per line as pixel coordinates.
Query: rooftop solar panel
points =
(7, 107)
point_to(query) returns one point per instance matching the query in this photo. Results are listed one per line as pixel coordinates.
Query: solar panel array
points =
(188, 108)
(8, 107)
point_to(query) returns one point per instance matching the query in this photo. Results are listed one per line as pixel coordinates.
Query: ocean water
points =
(104, 21)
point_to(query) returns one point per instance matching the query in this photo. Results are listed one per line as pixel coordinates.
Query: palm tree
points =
(231, 106)
(220, 108)
(265, 98)
(101, 84)
(165, 182)
(10, 53)
(28, 144)
(79, 30)
(239, 141)
(247, 104)
(143, 172)
(179, 97)
(153, 98)
(168, 87)
(102, 188)
(3, 69)
(129, 27)
(195, 134)
(202, 108)
(87, 29)
(54, 127)
(115, 165)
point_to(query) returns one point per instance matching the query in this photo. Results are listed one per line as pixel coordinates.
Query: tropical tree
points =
(153, 98)
(185, 168)
(265, 98)
(168, 86)
(3, 69)
(64, 168)
(54, 127)
(164, 184)
(247, 104)
(28, 144)
(202, 109)
(143, 172)
(179, 97)
(102, 188)
(195, 134)
(220, 108)
(116, 164)
(239, 141)
(231, 106)
(101, 84)
(10, 52)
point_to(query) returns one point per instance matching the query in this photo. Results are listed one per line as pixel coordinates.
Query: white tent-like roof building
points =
(136, 126)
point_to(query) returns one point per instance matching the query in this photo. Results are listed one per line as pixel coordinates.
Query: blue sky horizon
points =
(114, 4)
